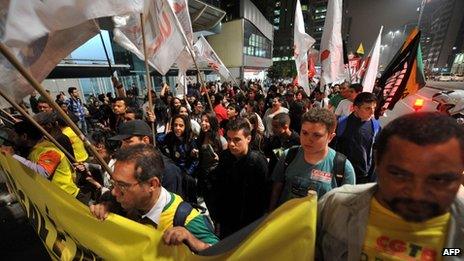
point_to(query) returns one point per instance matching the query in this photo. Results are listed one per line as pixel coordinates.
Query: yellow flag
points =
(69, 232)
(360, 49)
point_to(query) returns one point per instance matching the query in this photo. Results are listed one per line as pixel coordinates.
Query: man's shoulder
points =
(458, 203)
(256, 156)
(336, 97)
(295, 136)
(347, 195)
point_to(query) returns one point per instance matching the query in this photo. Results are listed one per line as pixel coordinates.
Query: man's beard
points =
(416, 211)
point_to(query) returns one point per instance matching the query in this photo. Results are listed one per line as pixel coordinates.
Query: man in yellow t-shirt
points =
(415, 211)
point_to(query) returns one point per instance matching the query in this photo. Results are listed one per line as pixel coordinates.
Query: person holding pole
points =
(47, 159)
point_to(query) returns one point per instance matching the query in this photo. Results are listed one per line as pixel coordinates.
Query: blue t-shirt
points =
(300, 176)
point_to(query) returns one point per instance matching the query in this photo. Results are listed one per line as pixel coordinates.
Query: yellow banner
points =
(69, 232)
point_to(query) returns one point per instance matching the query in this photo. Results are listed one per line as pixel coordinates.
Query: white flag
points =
(42, 33)
(181, 89)
(373, 65)
(184, 61)
(180, 8)
(205, 54)
(30, 20)
(41, 56)
(302, 43)
(164, 38)
(333, 69)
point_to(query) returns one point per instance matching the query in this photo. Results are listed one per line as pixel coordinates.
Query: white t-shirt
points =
(260, 121)
(344, 108)
(268, 115)
(324, 103)
(196, 128)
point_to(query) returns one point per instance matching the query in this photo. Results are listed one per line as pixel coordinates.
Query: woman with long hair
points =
(198, 109)
(210, 144)
(180, 146)
(257, 137)
(250, 108)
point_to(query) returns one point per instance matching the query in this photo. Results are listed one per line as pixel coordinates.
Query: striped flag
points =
(404, 75)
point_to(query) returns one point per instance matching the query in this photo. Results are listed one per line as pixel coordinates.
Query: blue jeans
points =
(82, 124)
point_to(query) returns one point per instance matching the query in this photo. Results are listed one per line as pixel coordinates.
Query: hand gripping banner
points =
(69, 232)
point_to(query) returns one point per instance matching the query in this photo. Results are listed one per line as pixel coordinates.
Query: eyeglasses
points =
(122, 185)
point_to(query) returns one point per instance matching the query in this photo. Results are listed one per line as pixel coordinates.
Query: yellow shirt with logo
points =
(57, 165)
(389, 237)
(77, 144)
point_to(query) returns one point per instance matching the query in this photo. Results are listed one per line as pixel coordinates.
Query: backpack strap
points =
(339, 168)
(182, 211)
(291, 154)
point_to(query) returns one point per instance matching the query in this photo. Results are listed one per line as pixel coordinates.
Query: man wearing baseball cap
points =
(138, 132)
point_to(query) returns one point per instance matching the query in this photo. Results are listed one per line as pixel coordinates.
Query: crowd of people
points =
(201, 167)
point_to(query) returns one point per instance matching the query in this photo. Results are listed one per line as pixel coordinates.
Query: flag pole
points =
(190, 50)
(24, 72)
(9, 115)
(147, 71)
(6, 120)
(106, 53)
(36, 124)
(200, 76)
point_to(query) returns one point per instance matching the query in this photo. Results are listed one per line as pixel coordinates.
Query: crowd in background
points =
(234, 153)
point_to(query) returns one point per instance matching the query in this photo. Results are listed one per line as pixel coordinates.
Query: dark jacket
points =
(356, 141)
(172, 176)
(240, 190)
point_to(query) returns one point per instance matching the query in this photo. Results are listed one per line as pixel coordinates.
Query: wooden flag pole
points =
(36, 124)
(9, 116)
(6, 120)
(147, 71)
(24, 72)
(202, 81)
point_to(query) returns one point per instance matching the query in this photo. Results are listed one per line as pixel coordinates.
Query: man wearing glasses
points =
(138, 132)
(136, 181)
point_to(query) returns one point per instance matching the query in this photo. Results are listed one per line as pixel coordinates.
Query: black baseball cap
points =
(7, 137)
(132, 128)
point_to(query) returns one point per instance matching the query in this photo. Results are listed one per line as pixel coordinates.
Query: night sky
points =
(369, 15)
